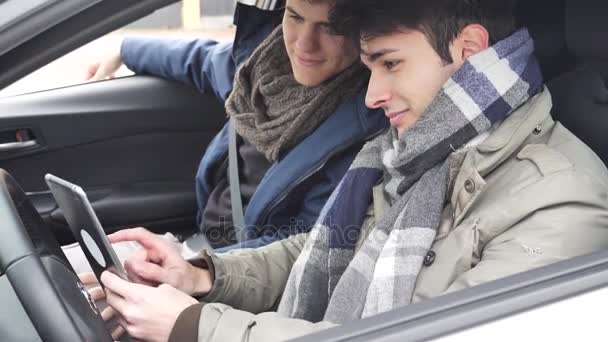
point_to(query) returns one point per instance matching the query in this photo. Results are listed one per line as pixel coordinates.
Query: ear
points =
(473, 39)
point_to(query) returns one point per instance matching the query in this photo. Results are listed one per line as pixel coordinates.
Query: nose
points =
(378, 93)
(308, 40)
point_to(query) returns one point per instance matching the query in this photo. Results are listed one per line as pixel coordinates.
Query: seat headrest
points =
(545, 19)
(586, 28)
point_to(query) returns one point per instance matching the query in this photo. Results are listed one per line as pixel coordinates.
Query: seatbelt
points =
(238, 220)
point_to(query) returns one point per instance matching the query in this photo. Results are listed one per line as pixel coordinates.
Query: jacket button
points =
(469, 186)
(538, 130)
(429, 258)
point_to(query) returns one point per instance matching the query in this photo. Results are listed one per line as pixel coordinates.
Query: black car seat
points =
(545, 20)
(580, 96)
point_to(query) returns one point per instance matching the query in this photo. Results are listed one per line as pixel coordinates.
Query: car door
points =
(133, 143)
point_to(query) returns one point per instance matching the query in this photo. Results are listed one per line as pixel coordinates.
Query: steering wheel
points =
(58, 306)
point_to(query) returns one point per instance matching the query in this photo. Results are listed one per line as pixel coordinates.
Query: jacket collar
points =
(510, 135)
(503, 142)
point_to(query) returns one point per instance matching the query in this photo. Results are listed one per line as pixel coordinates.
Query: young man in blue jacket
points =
(294, 93)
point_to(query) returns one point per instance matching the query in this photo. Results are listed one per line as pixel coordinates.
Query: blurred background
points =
(187, 19)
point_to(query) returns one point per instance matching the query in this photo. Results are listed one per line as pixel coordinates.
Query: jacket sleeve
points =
(574, 225)
(203, 63)
(247, 283)
(219, 322)
(253, 279)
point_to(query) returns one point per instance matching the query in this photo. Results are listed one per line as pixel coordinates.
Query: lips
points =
(308, 61)
(396, 118)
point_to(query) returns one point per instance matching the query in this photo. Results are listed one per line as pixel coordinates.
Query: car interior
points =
(134, 145)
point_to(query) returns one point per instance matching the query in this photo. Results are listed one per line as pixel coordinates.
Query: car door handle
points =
(14, 146)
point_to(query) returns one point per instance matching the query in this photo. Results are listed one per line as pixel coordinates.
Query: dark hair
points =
(440, 20)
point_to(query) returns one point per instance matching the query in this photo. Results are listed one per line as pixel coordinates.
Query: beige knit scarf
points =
(272, 110)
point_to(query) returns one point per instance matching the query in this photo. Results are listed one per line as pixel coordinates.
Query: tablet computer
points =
(85, 226)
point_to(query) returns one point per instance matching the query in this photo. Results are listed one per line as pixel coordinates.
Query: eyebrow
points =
(293, 12)
(376, 55)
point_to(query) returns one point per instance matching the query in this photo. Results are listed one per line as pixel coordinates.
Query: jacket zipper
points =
(285, 193)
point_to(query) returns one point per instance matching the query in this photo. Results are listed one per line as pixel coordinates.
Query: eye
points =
(296, 18)
(390, 65)
(327, 29)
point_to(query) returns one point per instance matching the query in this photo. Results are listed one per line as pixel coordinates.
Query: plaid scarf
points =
(328, 281)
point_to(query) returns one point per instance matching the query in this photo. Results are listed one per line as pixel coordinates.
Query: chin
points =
(308, 82)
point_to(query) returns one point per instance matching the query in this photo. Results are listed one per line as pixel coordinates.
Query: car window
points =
(21, 20)
(174, 21)
(14, 10)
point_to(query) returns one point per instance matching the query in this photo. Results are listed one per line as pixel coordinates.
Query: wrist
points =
(203, 282)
